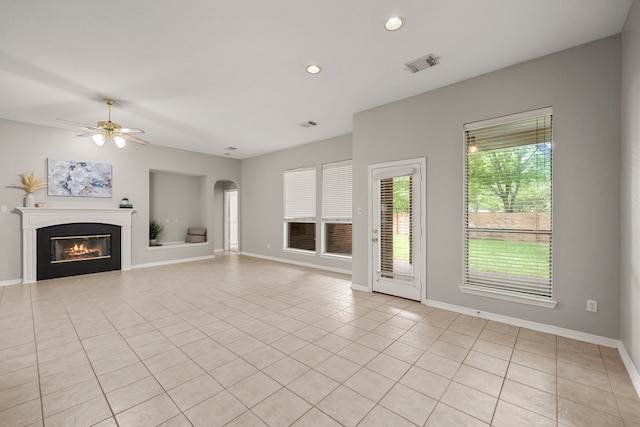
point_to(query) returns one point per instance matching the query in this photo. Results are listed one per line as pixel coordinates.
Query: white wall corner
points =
(362, 288)
(631, 368)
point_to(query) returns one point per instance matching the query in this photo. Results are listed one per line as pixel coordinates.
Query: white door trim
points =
(422, 161)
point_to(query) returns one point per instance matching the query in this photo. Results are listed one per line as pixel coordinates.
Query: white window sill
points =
(173, 245)
(539, 302)
(336, 256)
(299, 252)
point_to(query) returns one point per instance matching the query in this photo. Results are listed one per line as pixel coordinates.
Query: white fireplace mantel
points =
(35, 218)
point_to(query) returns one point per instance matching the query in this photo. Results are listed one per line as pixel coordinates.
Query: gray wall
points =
(25, 148)
(583, 87)
(630, 187)
(262, 205)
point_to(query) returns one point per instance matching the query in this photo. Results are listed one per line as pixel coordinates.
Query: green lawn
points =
(401, 247)
(519, 258)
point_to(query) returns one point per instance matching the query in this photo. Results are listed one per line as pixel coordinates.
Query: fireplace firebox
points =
(79, 248)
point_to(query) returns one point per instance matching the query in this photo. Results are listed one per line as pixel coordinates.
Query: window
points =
(508, 189)
(300, 209)
(396, 227)
(336, 208)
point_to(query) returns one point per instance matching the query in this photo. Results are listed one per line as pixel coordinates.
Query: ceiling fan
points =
(110, 131)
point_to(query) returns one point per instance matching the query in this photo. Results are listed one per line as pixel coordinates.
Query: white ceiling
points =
(202, 75)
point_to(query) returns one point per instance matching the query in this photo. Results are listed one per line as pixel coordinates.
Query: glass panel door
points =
(396, 231)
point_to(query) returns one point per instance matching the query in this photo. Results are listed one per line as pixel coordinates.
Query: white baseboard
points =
(541, 327)
(555, 330)
(361, 288)
(172, 261)
(10, 282)
(631, 368)
(302, 264)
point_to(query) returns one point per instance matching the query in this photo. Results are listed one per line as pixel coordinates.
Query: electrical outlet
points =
(3, 208)
(592, 305)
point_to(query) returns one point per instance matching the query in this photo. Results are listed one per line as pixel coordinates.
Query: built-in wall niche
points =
(177, 201)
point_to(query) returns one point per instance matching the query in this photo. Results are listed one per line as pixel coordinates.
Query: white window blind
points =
(300, 195)
(337, 184)
(508, 209)
(396, 227)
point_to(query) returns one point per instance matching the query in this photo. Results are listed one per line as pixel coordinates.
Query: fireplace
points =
(36, 219)
(78, 248)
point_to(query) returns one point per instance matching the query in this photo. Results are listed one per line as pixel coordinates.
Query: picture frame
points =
(70, 178)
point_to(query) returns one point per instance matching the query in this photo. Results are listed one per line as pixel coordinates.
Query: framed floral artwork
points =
(78, 179)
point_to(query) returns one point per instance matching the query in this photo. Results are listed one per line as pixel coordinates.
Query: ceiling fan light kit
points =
(98, 139)
(111, 131)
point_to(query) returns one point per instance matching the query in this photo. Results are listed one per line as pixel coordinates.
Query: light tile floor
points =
(240, 341)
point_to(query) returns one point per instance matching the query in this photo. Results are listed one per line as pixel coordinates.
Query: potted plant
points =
(30, 184)
(155, 230)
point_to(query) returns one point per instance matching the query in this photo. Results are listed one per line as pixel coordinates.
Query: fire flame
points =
(82, 249)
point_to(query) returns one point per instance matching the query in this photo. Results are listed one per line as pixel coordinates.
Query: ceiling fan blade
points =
(89, 127)
(133, 138)
(109, 130)
(96, 132)
(130, 130)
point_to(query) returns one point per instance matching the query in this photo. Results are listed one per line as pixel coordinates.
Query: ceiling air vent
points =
(308, 124)
(421, 63)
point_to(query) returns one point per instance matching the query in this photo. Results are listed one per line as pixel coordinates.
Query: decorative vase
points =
(153, 242)
(29, 201)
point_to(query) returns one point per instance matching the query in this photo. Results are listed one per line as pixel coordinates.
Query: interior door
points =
(396, 235)
(231, 220)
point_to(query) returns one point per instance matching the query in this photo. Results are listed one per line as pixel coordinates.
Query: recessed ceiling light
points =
(313, 69)
(394, 23)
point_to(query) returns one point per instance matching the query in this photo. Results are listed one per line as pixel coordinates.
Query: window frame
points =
(309, 213)
(340, 218)
(496, 292)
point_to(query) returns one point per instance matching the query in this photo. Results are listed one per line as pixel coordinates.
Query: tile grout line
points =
(75, 329)
(305, 298)
(35, 345)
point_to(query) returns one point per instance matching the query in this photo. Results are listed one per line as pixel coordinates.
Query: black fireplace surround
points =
(49, 265)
